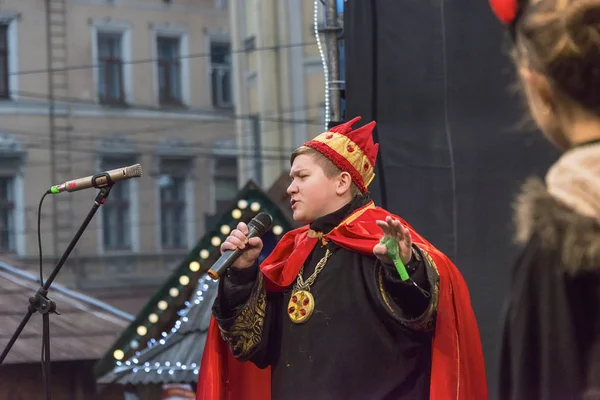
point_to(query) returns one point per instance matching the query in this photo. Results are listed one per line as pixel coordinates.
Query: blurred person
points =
(551, 335)
(328, 315)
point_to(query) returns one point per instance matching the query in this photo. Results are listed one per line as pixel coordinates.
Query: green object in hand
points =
(393, 252)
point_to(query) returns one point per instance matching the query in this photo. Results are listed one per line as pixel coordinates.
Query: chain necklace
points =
(302, 303)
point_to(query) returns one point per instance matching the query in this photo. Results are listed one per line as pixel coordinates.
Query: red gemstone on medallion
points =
(329, 136)
(294, 299)
(305, 302)
(303, 312)
(291, 310)
(350, 148)
(366, 166)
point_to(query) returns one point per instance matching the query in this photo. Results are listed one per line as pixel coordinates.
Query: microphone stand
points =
(45, 306)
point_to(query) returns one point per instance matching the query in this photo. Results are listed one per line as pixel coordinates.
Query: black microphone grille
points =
(262, 222)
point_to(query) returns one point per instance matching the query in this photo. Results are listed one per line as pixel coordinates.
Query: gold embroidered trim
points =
(426, 321)
(351, 218)
(318, 235)
(246, 332)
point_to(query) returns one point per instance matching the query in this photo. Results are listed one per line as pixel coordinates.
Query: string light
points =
(162, 305)
(118, 354)
(165, 366)
(184, 280)
(194, 266)
(323, 60)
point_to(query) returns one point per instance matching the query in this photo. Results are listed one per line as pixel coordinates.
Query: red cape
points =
(457, 369)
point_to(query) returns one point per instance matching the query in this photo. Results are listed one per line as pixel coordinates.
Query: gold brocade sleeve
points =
(243, 332)
(426, 321)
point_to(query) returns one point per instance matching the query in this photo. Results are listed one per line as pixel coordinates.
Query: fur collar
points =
(576, 237)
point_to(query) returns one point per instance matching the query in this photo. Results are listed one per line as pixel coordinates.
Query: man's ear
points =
(344, 183)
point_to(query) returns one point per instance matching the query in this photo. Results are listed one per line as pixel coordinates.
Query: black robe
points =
(551, 337)
(368, 338)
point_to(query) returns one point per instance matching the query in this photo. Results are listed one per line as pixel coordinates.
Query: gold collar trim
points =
(349, 219)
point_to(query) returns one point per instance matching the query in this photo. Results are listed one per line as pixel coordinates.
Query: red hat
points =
(352, 151)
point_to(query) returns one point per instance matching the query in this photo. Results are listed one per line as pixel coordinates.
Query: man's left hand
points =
(393, 229)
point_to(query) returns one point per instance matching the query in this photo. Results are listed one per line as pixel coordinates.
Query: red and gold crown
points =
(352, 151)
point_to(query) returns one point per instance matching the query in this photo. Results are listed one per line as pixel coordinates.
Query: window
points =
(12, 205)
(4, 66)
(116, 212)
(220, 58)
(225, 182)
(110, 68)
(173, 204)
(7, 215)
(169, 70)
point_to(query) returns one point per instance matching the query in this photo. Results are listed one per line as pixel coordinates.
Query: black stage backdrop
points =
(437, 78)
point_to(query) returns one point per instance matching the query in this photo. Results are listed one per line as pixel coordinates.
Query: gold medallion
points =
(301, 306)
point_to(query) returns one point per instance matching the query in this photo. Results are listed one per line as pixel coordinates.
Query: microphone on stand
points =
(98, 181)
(256, 228)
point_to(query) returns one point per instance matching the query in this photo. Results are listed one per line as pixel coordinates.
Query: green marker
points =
(393, 252)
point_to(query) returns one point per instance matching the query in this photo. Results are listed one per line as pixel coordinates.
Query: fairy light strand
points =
(323, 60)
(204, 284)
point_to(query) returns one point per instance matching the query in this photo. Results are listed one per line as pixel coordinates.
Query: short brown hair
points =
(329, 168)
(561, 39)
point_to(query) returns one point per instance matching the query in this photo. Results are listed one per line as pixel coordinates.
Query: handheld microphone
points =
(256, 228)
(98, 181)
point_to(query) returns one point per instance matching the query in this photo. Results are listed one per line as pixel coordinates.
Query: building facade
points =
(278, 82)
(132, 81)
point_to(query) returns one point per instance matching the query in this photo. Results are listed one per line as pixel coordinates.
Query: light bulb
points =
(118, 354)
(184, 280)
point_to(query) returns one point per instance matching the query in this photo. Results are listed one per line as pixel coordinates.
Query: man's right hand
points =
(238, 239)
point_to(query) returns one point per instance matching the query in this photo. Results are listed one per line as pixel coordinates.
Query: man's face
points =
(313, 194)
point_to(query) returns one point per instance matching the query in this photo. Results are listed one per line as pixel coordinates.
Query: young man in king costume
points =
(328, 315)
